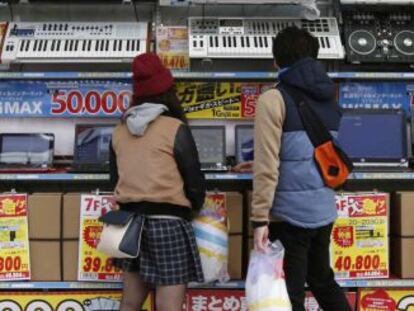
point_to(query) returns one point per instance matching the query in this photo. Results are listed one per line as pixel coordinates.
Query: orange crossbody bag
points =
(333, 163)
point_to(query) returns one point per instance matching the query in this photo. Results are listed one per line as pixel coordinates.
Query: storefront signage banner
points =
(235, 300)
(223, 300)
(359, 248)
(65, 301)
(54, 98)
(93, 265)
(377, 95)
(220, 100)
(401, 299)
(14, 238)
(98, 98)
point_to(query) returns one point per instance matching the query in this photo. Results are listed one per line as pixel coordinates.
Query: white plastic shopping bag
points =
(211, 232)
(265, 283)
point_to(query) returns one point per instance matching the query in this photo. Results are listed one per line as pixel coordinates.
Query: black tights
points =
(135, 291)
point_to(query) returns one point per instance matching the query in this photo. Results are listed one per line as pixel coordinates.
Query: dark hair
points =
(293, 44)
(169, 98)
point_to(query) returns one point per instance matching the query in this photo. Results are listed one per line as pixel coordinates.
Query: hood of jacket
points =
(139, 117)
(310, 76)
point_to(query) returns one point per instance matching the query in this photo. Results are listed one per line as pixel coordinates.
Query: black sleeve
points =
(113, 168)
(186, 156)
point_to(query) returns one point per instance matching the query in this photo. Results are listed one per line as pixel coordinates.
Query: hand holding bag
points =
(121, 234)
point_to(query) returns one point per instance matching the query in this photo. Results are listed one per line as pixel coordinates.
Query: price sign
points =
(359, 247)
(91, 102)
(14, 238)
(172, 47)
(93, 265)
(54, 98)
(250, 93)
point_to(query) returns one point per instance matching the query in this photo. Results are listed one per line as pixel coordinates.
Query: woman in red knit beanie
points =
(156, 173)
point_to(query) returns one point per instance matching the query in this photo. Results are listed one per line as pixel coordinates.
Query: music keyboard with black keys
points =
(253, 38)
(74, 42)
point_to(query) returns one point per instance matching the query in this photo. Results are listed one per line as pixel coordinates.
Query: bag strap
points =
(316, 129)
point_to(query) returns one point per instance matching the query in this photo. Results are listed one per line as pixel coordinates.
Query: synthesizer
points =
(66, 42)
(252, 38)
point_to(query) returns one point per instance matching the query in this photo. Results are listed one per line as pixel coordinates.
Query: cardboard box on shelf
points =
(402, 216)
(70, 260)
(45, 261)
(249, 199)
(44, 215)
(71, 215)
(402, 251)
(235, 257)
(234, 202)
(359, 241)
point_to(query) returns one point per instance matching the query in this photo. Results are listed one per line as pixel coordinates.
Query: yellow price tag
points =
(14, 238)
(93, 265)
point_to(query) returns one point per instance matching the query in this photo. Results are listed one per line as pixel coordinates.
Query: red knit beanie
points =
(150, 77)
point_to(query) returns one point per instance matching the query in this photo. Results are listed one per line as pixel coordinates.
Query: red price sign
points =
(93, 265)
(92, 102)
(175, 61)
(10, 263)
(97, 264)
(359, 247)
(366, 262)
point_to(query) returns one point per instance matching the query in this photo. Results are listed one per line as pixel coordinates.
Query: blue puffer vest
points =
(301, 197)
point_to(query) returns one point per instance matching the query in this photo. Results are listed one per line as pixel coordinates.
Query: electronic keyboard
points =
(253, 38)
(67, 42)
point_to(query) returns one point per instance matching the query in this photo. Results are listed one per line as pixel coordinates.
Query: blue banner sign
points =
(376, 95)
(64, 98)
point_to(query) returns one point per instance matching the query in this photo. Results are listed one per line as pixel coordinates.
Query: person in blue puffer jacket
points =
(290, 200)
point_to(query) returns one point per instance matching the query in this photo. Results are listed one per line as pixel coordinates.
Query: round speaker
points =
(404, 42)
(362, 42)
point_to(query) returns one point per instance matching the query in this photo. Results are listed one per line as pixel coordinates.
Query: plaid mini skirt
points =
(168, 253)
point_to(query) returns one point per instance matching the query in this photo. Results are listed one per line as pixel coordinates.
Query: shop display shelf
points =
(100, 285)
(383, 175)
(248, 75)
(54, 177)
(372, 75)
(58, 285)
(209, 176)
(65, 75)
(383, 283)
(377, 283)
(184, 3)
(273, 75)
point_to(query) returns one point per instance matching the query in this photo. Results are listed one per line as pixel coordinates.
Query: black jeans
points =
(307, 260)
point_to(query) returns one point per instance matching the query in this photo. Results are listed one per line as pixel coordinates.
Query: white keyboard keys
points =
(76, 42)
